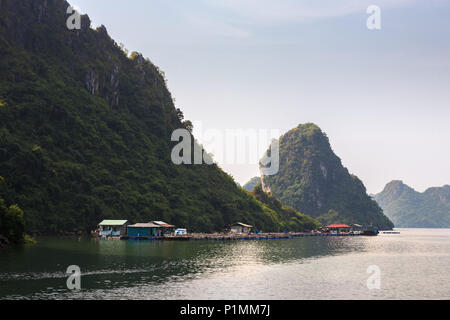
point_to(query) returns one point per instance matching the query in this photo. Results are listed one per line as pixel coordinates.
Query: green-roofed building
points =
(113, 228)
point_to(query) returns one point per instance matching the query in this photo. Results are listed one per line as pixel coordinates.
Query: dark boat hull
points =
(369, 233)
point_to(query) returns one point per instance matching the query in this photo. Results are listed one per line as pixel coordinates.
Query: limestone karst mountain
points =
(313, 181)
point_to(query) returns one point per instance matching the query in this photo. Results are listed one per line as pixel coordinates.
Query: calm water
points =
(413, 265)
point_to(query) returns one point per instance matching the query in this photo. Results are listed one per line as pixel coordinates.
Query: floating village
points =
(160, 230)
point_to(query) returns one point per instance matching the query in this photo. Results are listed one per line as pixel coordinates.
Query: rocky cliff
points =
(313, 181)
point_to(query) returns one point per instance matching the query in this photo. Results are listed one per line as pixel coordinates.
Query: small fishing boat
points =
(371, 231)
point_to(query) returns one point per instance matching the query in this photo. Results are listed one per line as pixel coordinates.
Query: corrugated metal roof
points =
(144, 225)
(163, 224)
(158, 222)
(242, 224)
(113, 222)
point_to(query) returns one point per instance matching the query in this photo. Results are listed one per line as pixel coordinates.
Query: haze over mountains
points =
(409, 208)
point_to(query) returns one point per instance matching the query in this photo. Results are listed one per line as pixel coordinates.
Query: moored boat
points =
(371, 231)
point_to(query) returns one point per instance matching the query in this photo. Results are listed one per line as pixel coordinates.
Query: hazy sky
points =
(382, 96)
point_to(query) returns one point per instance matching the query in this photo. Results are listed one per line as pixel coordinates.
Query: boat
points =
(371, 231)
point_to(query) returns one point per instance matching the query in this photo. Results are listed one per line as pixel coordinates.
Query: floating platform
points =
(239, 237)
(171, 238)
(277, 236)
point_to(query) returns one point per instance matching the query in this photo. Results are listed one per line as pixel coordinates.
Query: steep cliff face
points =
(409, 208)
(312, 180)
(85, 133)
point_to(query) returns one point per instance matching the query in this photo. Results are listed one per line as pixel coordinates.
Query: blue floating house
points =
(113, 228)
(145, 230)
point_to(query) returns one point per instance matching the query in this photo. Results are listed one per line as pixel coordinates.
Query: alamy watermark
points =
(228, 146)
(374, 20)
(73, 22)
(74, 280)
(374, 280)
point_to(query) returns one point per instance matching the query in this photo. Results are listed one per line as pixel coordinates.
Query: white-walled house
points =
(240, 227)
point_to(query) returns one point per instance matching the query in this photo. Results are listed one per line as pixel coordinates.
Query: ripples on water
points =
(414, 265)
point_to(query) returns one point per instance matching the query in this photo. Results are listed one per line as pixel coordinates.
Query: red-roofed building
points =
(339, 228)
(333, 226)
(165, 227)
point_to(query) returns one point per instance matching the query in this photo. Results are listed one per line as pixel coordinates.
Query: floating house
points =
(240, 227)
(165, 228)
(113, 228)
(339, 228)
(121, 228)
(144, 230)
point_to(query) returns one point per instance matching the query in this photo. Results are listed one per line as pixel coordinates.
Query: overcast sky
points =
(382, 96)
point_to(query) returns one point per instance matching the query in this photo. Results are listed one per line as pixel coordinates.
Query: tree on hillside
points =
(12, 223)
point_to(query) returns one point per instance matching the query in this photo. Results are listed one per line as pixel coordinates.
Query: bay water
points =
(414, 264)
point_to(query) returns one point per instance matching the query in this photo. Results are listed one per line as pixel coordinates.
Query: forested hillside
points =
(85, 133)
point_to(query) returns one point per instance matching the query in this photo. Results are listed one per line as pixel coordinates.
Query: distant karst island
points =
(408, 208)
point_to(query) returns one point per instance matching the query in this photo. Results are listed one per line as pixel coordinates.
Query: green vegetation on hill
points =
(12, 223)
(313, 180)
(85, 134)
(408, 208)
(249, 186)
(292, 220)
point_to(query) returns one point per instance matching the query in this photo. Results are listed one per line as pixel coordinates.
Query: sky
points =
(381, 96)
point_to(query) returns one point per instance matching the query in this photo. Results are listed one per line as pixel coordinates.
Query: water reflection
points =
(155, 269)
(114, 264)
